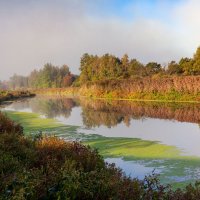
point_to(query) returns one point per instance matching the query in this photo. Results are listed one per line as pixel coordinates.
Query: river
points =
(139, 137)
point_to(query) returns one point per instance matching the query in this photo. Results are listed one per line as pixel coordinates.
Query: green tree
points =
(174, 68)
(186, 65)
(84, 67)
(136, 68)
(196, 65)
(153, 68)
(125, 65)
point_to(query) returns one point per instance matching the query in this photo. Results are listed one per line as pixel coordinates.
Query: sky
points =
(34, 32)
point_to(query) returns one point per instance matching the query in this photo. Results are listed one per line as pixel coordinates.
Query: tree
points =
(186, 65)
(85, 62)
(68, 80)
(174, 68)
(136, 68)
(33, 78)
(125, 65)
(153, 68)
(196, 65)
(17, 81)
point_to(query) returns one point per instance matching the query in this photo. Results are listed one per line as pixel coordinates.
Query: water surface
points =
(139, 137)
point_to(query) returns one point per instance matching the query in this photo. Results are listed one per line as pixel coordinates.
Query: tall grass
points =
(173, 88)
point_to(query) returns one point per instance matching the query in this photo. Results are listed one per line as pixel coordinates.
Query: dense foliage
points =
(111, 67)
(106, 67)
(48, 77)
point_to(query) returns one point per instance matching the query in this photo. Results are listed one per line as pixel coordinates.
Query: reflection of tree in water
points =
(93, 118)
(110, 113)
(21, 104)
(96, 113)
(99, 112)
(53, 107)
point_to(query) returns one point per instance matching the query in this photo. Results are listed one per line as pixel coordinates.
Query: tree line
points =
(105, 67)
(94, 68)
(49, 76)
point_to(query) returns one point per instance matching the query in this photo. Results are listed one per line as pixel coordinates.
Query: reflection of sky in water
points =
(74, 119)
(12, 108)
(184, 135)
(132, 168)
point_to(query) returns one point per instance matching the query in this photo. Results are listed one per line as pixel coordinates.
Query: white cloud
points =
(187, 16)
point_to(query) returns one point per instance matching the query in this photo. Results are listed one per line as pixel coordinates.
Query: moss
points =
(133, 148)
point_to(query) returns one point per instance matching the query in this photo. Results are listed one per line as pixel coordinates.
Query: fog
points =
(33, 33)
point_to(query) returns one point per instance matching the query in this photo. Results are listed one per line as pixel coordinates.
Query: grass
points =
(172, 96)
(117, 94)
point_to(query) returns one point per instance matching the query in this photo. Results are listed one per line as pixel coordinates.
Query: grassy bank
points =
(166, 89)
(13, 95)
(150, 89)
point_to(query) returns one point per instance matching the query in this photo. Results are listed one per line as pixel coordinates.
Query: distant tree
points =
(61, 73)
(174, 68)
(110, 67)
(33, 78)
(125, 61)
(1, 85)
(125, 65)
(4, 85)
(99, 68)
(153, 68)
(68, 80)
(196, 65)
(136, 68)
(85, 62)
(49, 76)
(186, 65)
(17, 81)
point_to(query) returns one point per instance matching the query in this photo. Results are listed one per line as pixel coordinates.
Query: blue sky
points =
(33, 32)
(132, 9)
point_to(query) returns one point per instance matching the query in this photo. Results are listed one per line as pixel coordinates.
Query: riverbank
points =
(14, 95)
(163, 89)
